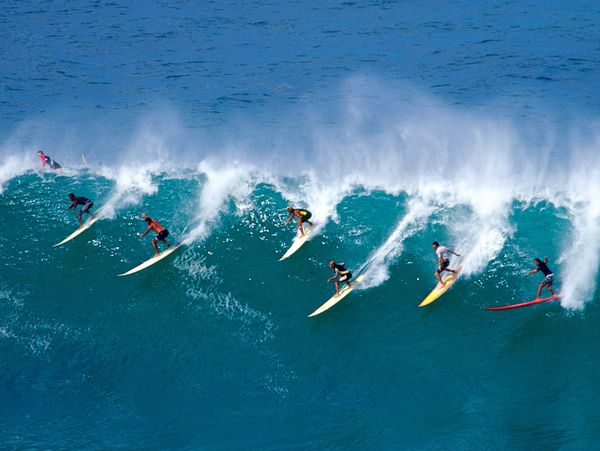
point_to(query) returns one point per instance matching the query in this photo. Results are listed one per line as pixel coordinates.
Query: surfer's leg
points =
(337, 288)
(438, 277)
(539, 291)
(156, 251)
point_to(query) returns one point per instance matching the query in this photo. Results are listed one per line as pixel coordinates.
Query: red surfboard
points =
(523, 304)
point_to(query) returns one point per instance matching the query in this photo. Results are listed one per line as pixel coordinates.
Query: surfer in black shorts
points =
(47, 161)
(302, 215)
(80, 200)
(159, 229)
(443, 260)
(341, 274)
(548, 276)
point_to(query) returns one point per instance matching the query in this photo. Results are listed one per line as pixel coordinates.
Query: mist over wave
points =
(466, 165)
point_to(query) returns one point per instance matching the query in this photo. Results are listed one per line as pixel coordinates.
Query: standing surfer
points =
(548, 276)
(443, 260)
(46, 160)
(341, 274)
(302, 215)
(162, 233)
(80, 200)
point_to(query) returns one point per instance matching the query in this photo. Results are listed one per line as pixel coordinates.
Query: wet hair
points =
(148, 219)
(71, 195)
(537, 260)
(290, 209)
(435, 243)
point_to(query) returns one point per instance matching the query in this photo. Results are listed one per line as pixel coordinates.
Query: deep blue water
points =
(396, 124)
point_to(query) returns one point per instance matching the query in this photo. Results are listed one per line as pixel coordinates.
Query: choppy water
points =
(397, 124)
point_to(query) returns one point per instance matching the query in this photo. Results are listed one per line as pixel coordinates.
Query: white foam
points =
(12, 166)
(223, 183)
(377, 265)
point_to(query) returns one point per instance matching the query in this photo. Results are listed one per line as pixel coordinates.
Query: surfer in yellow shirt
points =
(159, 229)
(443, 260)
(302, 215)
(341, 274)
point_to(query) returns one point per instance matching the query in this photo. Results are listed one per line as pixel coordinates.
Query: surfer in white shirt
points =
(443, 260)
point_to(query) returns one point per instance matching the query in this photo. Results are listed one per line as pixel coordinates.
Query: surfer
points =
(443, 260)
(159, 229)
(341, 274)
(80, 200)
(302, 215)
(46, 160)
(548, 276)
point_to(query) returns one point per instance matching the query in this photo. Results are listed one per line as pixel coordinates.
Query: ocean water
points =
(396, 124)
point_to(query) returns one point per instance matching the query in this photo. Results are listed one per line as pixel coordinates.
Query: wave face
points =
(221, 327)
(396, 125)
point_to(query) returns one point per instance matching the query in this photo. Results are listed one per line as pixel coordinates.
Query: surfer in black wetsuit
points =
(46, 160)
(80, 200)
(302, 215)
(548, 276)
(341, 274)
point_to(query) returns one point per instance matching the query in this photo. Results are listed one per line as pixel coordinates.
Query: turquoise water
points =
(396, 124)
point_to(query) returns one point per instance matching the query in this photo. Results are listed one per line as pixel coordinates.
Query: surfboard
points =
(524, 304)
(335, 299)
(86, 225)
(152, 261)
(298, 241)
(449, 280)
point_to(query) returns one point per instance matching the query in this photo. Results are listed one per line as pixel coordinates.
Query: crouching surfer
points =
(341, 274)
(302, 215)
(162, 233)
(548, 276)
(80, 200)
(47, 161)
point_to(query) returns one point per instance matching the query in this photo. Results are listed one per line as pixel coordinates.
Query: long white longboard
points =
(335, 299)
(298, 241)
(152, 260)
(86, 225)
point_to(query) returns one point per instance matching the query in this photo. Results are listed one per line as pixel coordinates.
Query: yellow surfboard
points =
(440, 289)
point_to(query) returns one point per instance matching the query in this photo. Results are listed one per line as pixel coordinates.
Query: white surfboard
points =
(298, 241)
(86, 225)
(335, 299)
(152, 260)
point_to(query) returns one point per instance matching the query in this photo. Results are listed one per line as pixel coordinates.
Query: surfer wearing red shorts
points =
(159, 229)
(341, 274)
(302, 215)
(443, 260)
(548, 276)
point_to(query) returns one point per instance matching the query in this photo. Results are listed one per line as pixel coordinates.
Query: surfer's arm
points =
(454, 253)
(533, 271)
(142, 235)
(546, 259)
(72, 206)
(289, 219)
